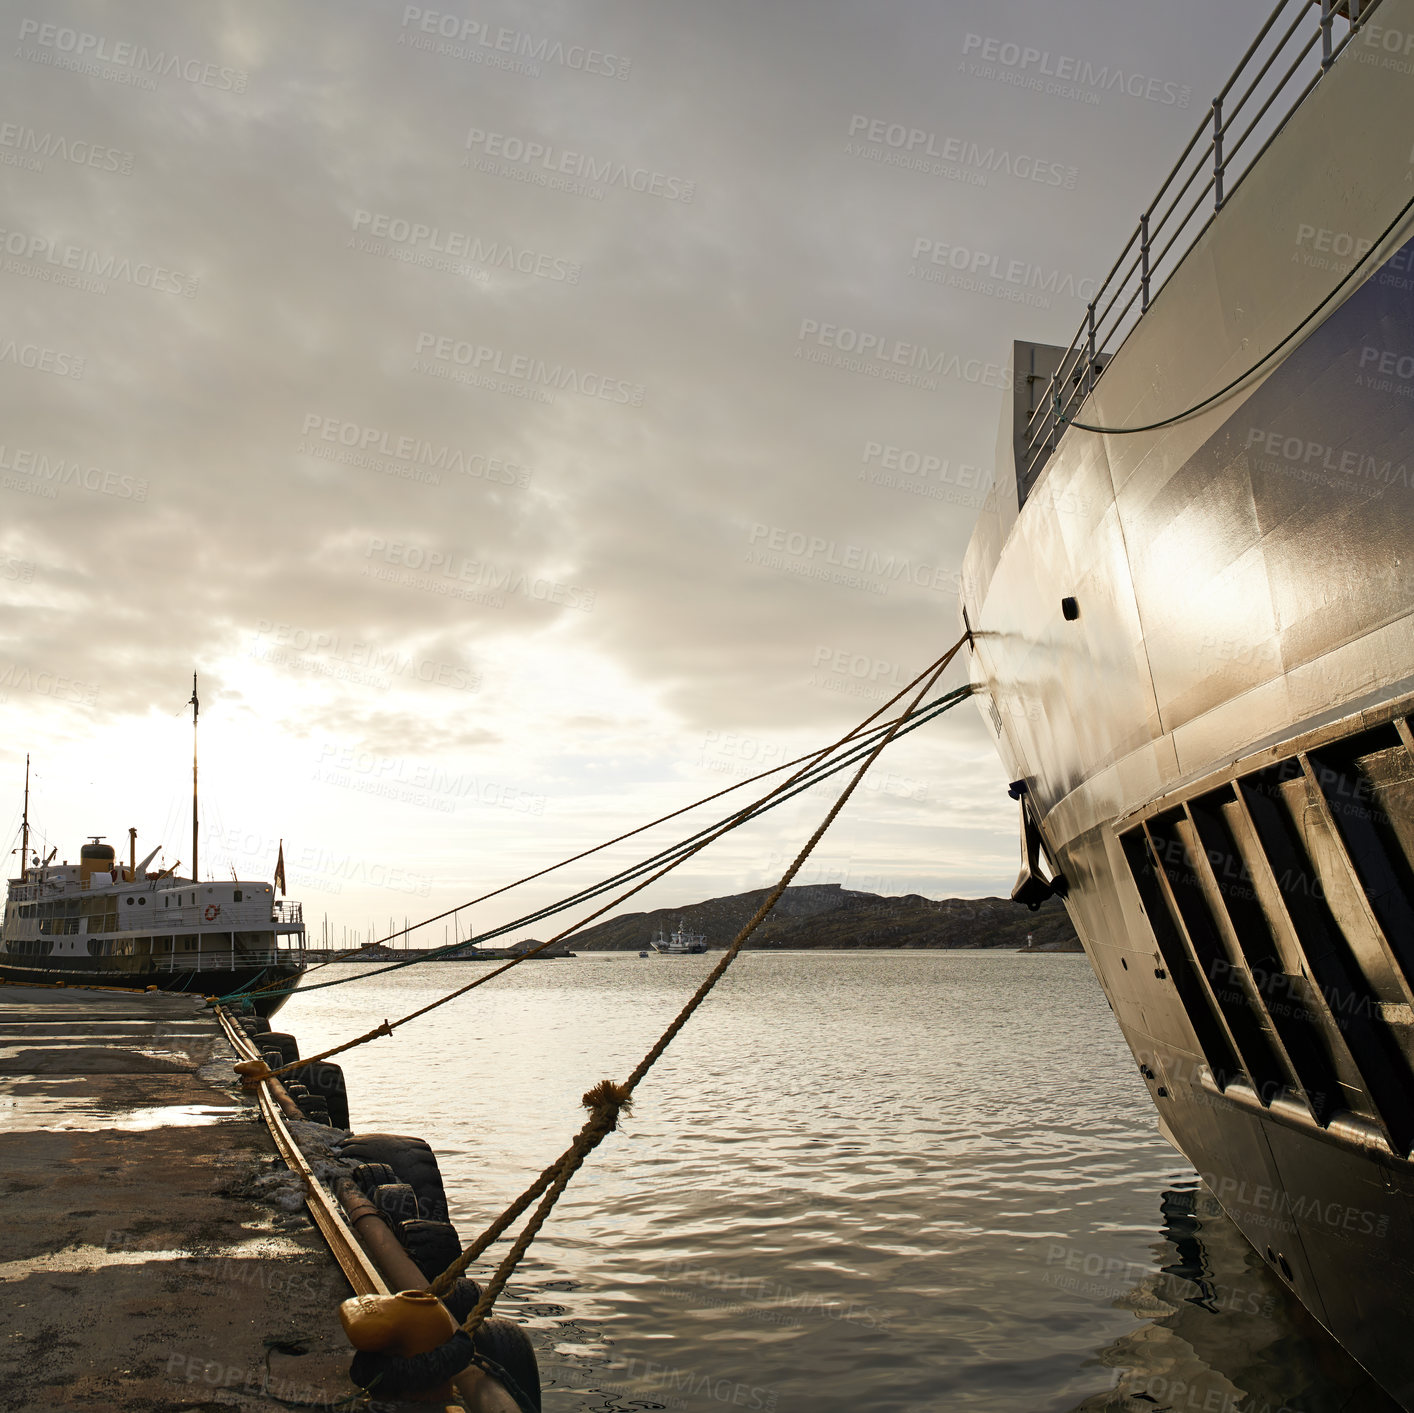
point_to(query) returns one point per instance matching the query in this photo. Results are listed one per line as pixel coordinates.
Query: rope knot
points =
(384, 1029)
(607, 1100)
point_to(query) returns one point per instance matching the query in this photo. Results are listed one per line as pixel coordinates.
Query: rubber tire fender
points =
(412, 1159)
(327, 1081)
(461, 1299)
(314, 1109)
(255, 1025)
(367, 1176)
(398, 1202)
(433, 1246)
(282, 1041)
(506, 1344)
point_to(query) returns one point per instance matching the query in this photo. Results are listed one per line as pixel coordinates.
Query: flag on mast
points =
(280, 869)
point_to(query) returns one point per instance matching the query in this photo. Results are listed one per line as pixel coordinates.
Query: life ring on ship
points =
(213, 911)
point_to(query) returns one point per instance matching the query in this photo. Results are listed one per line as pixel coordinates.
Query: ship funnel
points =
(95, 858)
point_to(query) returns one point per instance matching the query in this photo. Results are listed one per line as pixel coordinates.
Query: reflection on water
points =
(1219, 1332)
(857, 1183)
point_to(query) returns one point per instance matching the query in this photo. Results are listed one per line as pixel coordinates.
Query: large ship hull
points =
(1214, 735)
(210, 981)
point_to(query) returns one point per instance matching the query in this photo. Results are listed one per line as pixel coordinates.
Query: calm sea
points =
(857, 1183)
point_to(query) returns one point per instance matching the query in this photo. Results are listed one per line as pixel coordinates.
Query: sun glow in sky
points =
(528, 419)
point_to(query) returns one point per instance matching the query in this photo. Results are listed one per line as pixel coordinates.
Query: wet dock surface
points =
(137, 1271)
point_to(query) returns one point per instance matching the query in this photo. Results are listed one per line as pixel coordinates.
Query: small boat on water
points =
(679, 942)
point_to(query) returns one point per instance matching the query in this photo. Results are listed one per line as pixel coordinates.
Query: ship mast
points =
(24, 828)
(195, 708)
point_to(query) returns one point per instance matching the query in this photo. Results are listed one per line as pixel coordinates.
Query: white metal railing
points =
(1217, 168)
(287, 911)
(217, 960)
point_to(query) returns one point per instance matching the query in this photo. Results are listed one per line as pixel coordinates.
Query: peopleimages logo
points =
(544, 161)
(942, 262)
(895, 360)
(898, 145)
(436, 248)
(25, 146)
(436, 456)
(464, 361)
(60, 471)
(1383, 370)
(44, 251)
(39, 359)
(71, 48)
(815, 557)
(462, 38)
(1031, 68)
(1306, 455)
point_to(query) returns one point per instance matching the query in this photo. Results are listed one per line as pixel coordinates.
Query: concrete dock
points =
(146, 1259)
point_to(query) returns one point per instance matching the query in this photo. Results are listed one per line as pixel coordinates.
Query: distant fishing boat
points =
(677, 943)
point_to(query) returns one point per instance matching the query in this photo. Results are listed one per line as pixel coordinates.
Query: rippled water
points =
(857, 1181)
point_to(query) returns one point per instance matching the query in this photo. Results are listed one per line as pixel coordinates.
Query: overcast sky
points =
(459, 391)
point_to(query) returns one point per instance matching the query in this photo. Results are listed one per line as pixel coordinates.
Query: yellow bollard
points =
(408, 1323)
(252, 1072)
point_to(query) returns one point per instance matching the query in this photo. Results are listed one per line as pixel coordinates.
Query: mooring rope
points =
(386, 1028)
(812, 776)
(608, 1101)
(805, 780)
(861, 731)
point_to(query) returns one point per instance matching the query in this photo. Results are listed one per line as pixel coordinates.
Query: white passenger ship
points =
(101, 924)
(96, 923)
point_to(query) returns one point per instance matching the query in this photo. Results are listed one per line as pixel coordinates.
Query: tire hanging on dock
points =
(412, 1159)
(282, 1042)
(433, 1246)
(326, 1081)
(398, 1204)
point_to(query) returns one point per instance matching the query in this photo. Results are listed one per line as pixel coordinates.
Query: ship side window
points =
(130, 902)
(237, 896)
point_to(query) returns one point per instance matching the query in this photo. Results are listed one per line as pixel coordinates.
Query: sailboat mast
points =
(195, 708)
(24, 828)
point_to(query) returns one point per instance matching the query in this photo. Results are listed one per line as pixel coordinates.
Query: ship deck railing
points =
(227, 960)
(1288, 58)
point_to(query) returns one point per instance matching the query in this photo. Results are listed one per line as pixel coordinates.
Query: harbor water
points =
(858, 1182)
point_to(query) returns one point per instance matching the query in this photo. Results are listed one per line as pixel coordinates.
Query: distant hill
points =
(826, 915)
